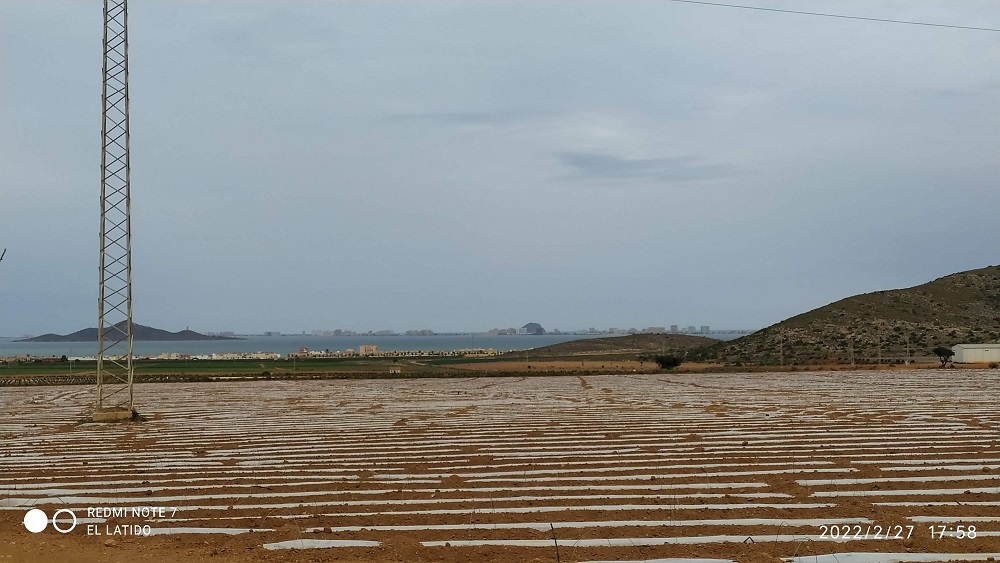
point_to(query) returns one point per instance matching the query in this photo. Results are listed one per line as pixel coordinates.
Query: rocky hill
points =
(884, 326)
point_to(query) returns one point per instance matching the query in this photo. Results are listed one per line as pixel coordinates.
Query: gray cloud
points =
(421, 163)
(602, 166)
(476, 118)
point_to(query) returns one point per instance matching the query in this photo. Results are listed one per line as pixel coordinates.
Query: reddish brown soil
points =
(347, 440)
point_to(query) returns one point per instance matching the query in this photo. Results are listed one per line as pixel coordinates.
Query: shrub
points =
(943, 354)
(666, 361)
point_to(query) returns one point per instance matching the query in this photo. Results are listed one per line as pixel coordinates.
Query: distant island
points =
(139, 332)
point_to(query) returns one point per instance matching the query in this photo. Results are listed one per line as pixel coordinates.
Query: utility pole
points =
(882, 326)
(2, 254)
(850, 347)
(114, 307)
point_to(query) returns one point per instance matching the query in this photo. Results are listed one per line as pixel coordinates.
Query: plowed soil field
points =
(738, 467)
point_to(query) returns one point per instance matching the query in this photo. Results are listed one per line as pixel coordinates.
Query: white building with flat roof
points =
(975, 353)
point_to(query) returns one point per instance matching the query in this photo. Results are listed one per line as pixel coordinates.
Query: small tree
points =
(943, 354)
(667, 362)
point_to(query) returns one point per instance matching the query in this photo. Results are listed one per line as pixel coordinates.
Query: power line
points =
(836, 15)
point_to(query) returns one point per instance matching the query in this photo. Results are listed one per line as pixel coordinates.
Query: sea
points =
(285, 344)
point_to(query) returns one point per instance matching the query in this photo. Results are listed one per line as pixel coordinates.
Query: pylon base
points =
(113, 415)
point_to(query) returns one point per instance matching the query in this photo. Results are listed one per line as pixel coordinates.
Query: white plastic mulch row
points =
(650, 541)
(670, 560)
(880, 557)
(157, 531)
(313, 544)
(545, 526)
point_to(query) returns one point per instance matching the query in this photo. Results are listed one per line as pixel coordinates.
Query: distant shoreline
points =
(285, 345)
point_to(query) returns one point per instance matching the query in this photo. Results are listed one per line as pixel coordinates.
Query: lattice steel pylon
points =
(114, 328)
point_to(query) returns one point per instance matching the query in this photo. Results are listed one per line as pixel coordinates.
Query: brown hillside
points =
(621, 345)
(881, 326)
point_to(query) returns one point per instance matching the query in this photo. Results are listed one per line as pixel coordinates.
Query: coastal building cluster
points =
(674, 329)
(530, 329)
(24, 358)
(221, 356)
(535, 329)
(372, 351)
(347, 332)
(364, 350)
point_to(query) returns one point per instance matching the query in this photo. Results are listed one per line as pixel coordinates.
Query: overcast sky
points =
(302, 165)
